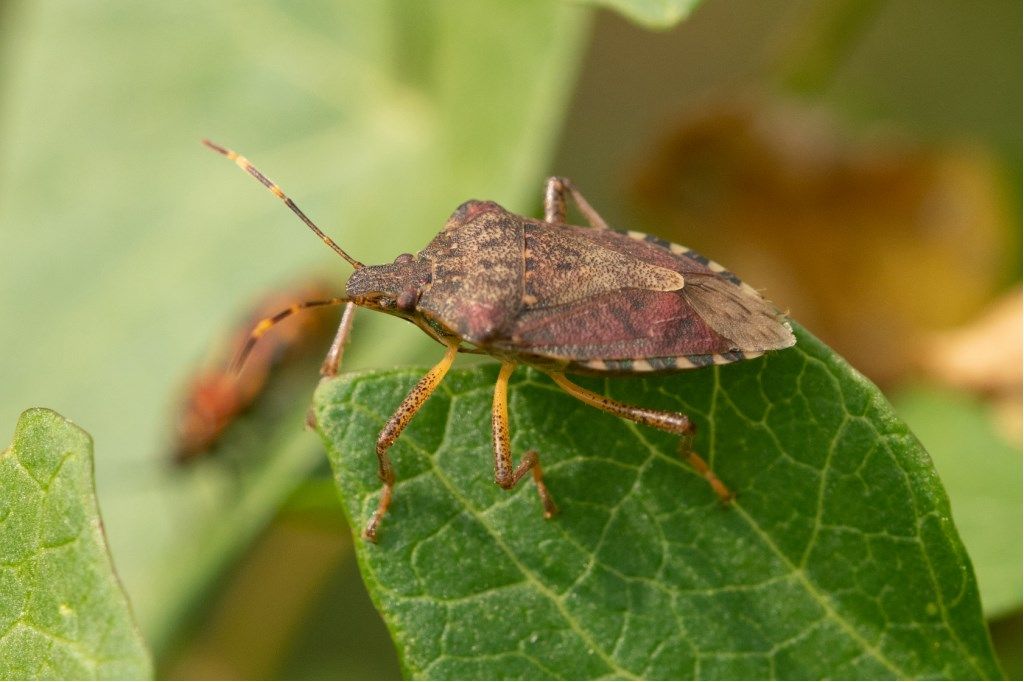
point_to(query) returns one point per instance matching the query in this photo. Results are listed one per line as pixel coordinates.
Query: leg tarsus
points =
(386, 473)
(550, 508)
(697, 462)
(370, 531)
(529, 462)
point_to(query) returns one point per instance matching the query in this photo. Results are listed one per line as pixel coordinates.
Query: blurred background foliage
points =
(858, 159)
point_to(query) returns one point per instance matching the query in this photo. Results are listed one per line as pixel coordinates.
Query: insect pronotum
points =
(561, 298)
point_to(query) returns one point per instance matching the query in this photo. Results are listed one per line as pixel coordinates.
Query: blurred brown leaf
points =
(867, 241)
(984, 357)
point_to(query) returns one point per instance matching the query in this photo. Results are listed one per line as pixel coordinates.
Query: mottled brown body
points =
(583, 300)
(564, 299)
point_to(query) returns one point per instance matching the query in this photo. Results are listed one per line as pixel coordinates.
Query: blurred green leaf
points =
(378, 118)
(341, 636)
(62, 612)
(829, 32)
(652, 13)
(982, 472)
(837, 559)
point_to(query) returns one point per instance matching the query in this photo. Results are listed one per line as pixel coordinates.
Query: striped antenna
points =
(264, 325)
(244, 164)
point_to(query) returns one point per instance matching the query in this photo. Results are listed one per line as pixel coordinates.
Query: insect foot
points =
(562, 298)
(702, 468)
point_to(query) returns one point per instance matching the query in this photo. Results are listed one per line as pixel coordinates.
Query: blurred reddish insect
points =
(217, 395)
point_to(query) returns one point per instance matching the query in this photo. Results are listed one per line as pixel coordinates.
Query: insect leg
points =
(333, 359)
(399, 420)
(264, 325)
(672, 422)
(504, 474)
(554, 203)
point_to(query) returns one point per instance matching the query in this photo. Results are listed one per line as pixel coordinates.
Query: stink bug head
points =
(394, 288)
(463, 284)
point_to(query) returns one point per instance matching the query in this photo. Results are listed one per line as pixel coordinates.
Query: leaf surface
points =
(982, 470)
(837, 559)
(63, 614)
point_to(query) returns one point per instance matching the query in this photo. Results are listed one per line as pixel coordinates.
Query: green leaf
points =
(62, 611)
(378, 118)
(652, 13)
(982, 471)
(838, 557)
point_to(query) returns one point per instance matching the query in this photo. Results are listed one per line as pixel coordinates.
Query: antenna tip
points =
(217, 148)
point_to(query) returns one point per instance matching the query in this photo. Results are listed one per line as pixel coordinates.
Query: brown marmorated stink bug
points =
(561, 298)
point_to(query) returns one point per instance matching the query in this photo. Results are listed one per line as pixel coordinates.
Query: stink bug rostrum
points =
(561, 298)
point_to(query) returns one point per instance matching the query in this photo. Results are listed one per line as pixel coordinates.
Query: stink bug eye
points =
(561, 298)
(407, 300)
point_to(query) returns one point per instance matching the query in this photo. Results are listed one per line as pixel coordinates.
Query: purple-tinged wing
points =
(624, 324)
(714, 318)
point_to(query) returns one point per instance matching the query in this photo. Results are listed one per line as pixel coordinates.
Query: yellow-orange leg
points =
(393, 429)
(264, 325)
(672, 422)
(504, 474)
(555, 192)
(333, 360)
